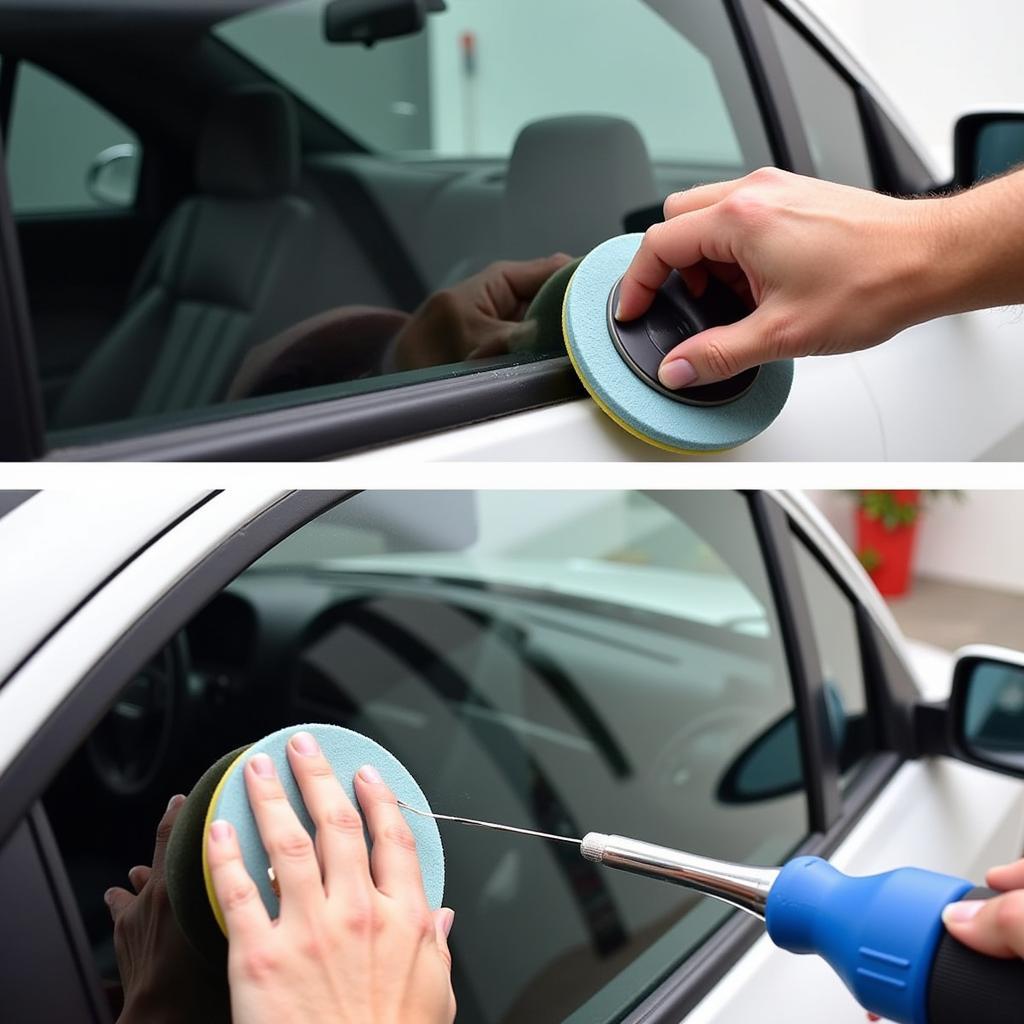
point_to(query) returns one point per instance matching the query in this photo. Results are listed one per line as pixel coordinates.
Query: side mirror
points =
(370, 21)
(113, 176)
(769, 766)
(986, 709)
(986, 145)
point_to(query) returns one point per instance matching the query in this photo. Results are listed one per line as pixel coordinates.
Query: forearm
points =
(973, 249)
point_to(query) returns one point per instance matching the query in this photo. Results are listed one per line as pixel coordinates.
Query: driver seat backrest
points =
(226, 272)
(571, 183)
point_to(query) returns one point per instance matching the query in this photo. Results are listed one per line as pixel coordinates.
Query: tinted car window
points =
(333, 219)
(828, 109)
(558, 661)
(835, 630)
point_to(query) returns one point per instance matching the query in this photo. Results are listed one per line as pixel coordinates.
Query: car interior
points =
(254, 215)
(563, 685)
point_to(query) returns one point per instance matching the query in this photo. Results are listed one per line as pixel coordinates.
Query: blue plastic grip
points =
(879, 933)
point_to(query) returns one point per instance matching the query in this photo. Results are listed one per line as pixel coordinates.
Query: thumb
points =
(719, 353)
(994, 927)
(118, 901)
(443, 921)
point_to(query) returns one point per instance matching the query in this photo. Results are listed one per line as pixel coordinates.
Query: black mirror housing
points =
(986, 145)
(985, 721)
(370, 21)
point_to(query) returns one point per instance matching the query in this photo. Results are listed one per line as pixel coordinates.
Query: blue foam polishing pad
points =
(347, 751)
(635, 405)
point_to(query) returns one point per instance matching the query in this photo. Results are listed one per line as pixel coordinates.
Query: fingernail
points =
(447, 921)
(304, 744)
(174, 799)
(108, 897)
(956, 913)
(618, 311)
(677, 374)
(370, 774)
(219, 831)
(262, 766)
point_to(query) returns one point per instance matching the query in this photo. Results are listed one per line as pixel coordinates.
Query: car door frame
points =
(333, 427)
(829, 818)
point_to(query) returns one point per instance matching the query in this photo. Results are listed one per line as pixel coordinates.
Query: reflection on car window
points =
(559, 661)
(333, 219)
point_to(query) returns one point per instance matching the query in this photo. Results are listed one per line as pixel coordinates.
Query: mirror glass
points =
(114, 174)
(999, 148)
(994, 714)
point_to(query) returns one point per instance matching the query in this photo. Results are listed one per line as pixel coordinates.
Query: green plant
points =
(898, 509)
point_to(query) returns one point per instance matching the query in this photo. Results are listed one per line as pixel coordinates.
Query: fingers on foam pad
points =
(394, 857)
(237, 895)
(339, 826)
(346, 751)
(637, 407)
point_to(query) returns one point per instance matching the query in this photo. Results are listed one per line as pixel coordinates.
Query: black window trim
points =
(21, 404)
(791, 149)
(50, 747)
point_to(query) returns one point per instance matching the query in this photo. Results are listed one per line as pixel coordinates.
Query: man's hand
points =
(164, 980)
(996, 926)
(824, 268)
(355, 942)
(477, 318)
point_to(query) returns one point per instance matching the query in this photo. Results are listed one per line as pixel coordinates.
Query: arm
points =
(826, 268)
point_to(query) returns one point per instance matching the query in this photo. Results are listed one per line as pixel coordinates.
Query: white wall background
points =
(936, 58)
(976, 541)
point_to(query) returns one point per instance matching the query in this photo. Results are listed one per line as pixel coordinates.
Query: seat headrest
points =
(249, 147)
(571, 181)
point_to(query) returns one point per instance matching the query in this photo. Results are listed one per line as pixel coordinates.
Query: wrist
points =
(937, 277)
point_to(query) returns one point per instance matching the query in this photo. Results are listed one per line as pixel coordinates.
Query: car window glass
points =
(835, 631)
(66, 154)
(428, 164)
(566, 662)
(827, 107)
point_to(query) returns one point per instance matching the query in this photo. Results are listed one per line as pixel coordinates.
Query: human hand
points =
(163, 978)
(824, 268)
(995, 926)
(477, 318)
(355, 942)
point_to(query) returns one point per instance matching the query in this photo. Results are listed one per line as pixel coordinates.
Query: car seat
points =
(570, 184)
(229, 269)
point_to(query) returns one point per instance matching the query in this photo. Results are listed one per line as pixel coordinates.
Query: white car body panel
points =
(935, 814)
(40, 544)
(39, 686)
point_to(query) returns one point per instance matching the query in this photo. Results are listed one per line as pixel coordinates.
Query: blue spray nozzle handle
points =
(879, 933)
(883, 934)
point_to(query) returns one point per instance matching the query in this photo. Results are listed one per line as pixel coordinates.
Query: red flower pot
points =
(888, 554)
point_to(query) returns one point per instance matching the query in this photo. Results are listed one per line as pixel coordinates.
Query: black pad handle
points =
(966, 987)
